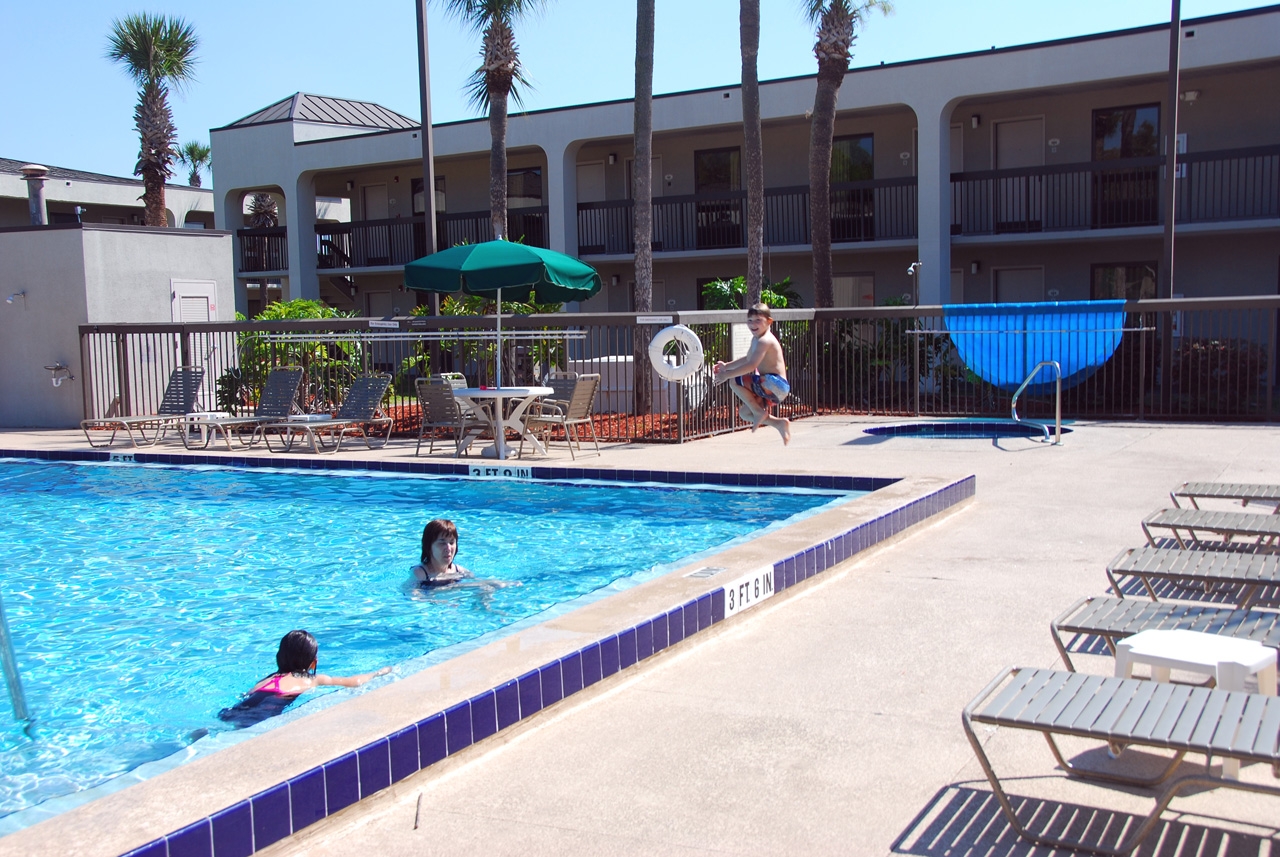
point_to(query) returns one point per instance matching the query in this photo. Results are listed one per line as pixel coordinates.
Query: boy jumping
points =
(759, 378)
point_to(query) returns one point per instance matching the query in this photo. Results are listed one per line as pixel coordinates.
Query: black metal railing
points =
(1212, 186)
(398, 240)
(528, 225)
(1232, 185)
(1210, 359)
(860, 211)
(265, 249)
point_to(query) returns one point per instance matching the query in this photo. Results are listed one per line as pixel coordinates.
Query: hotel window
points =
(1125, 281)
(1126, 132)
(524, 187)
(851, 159)
(716, 170)
(420, 202)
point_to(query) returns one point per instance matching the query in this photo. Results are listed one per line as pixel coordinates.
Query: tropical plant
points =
(499, 78)
(157, 52)
(546, 353)
(329, 367)
(836, 21)
(195, 156)
(263, 211)
(642, 184)
(732, 294)
(749, 33)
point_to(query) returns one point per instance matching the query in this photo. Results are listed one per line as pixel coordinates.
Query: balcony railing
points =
(382, 243)
(472, 227)
(860, 211)
(263, 249)
(1212, 186)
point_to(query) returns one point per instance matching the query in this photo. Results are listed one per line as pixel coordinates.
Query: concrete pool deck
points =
(829, 722)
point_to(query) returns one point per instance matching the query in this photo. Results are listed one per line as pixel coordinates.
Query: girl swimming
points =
(295, 674)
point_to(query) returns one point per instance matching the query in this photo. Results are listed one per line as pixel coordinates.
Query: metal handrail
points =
(10, 664)
(1057, 399)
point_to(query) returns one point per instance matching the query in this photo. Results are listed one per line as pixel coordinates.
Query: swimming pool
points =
(143, 599)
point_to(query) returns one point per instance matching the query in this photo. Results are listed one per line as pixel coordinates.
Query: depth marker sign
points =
(748, 591)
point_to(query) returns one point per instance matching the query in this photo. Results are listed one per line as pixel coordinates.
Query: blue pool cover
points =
(1002, 343)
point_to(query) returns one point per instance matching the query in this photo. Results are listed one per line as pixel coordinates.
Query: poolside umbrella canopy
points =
(494, 267)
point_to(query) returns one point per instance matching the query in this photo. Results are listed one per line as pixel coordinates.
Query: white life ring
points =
(693, 357)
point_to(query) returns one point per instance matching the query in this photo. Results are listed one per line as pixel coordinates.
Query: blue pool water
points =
(144, 599)
(963, 429)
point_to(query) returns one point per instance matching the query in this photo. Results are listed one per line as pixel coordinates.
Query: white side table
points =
(1229, 660)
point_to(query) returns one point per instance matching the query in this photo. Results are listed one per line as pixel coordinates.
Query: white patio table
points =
(491, 402)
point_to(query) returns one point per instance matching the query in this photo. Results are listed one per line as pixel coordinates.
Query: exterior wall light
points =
(975, 120)
(1189, 95)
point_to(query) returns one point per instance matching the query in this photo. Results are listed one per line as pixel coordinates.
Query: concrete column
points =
(33, 175)
(933, 179)
(303, 280)
(562, 196)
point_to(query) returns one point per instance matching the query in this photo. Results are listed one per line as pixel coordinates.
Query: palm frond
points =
(153, 48)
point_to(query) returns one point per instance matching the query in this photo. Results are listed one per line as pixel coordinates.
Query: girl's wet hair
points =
(297, 653)
(434, 530)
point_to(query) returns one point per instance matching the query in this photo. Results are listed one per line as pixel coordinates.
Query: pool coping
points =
(251, 795)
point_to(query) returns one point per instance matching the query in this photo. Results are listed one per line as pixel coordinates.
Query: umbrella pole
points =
(499, 339)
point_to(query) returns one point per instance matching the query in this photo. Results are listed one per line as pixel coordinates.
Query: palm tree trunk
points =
(642, 211)
(498, 162)
(822, 132)
(154, 121)
(749, 30)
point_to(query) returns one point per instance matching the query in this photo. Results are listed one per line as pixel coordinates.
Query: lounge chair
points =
(440, 409)
(1116, 618)
(570, 417)
(1177, 717)
(1246, 573)
(1243, 492)
(275, 403)
(1185, 524)
(358, 414)
(179, 400)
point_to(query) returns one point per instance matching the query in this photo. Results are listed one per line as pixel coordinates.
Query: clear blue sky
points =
(68, 106)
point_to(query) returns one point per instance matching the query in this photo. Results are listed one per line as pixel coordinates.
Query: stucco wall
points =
(90, 274)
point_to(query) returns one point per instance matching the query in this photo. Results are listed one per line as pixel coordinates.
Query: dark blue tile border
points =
(277, 812)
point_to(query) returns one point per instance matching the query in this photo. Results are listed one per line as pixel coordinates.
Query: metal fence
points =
(1186, 359)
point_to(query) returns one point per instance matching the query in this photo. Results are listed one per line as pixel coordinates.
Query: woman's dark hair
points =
(296, 653)
(434, 530)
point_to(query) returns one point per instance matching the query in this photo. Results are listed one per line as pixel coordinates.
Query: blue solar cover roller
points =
(1002, 343)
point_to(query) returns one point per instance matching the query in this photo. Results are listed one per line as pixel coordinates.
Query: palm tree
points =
(263, 212)
(499, 77)
(195, 156)
(642, 185)
(156, 52)
(749, 31)
(836, 20)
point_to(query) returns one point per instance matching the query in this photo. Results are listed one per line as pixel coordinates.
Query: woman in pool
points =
(437, 568)
(439, 547)
(295, 674)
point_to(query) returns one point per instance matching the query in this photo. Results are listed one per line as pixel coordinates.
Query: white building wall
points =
(86, 275)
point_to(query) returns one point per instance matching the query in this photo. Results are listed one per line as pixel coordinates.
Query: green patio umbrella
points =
(493, 267)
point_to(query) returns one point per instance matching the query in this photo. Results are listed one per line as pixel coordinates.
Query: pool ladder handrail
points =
(1057, 399)
(10, 668)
